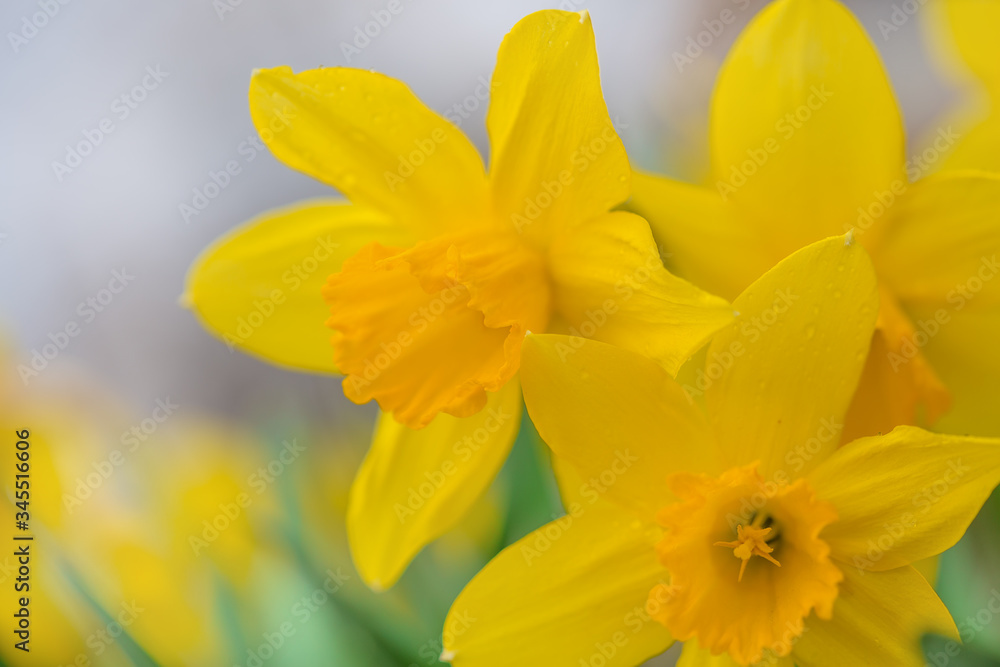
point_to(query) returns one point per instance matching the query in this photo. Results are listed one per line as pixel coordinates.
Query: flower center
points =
(751, 541)
(432, 328)
(759, 607)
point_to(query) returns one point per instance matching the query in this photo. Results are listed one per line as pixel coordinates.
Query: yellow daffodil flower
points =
(435, 271)
(807, 141)
(741, 529)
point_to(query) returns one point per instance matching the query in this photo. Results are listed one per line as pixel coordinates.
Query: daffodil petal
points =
(695, 656)
(945, 243)
(972, 24)
(704, 237)
(565, 593)
(878, 619)
(258, 287)
(804, 125)
(904, 496)
(964, 351)
(976, 149)
(778, 382)
(610, 284)
(368, 135)
(574, 491)
(616, 416)
(555, 155)
(414, 485)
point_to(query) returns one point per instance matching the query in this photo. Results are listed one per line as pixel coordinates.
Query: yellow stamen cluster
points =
(751, 541)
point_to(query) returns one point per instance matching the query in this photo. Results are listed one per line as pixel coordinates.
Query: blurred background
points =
(100, 240)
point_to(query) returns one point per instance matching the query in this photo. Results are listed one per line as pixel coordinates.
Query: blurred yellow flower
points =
(807, 141)
(964, 32)
(436, 270)
(741, 529)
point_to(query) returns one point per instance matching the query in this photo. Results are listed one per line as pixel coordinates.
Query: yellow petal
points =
(878, 619)
(780, 380)
(944, 243)
(972, 25)
(610, 284)
(435, 327)
(415, 485)
(977, 147)
(965, 353)
(615, 416)
(369, 136)
(575, 491)
(555, 156)
(695, 656)
(708, 243)
(898, 385)
(574, 590)
(804, 125)
(258, 287)
(904, 496)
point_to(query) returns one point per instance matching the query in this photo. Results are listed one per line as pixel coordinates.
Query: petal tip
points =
(447, 655)
(584, 16)
(849, 238)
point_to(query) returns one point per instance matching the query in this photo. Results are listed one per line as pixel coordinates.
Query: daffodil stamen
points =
(750, 542)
